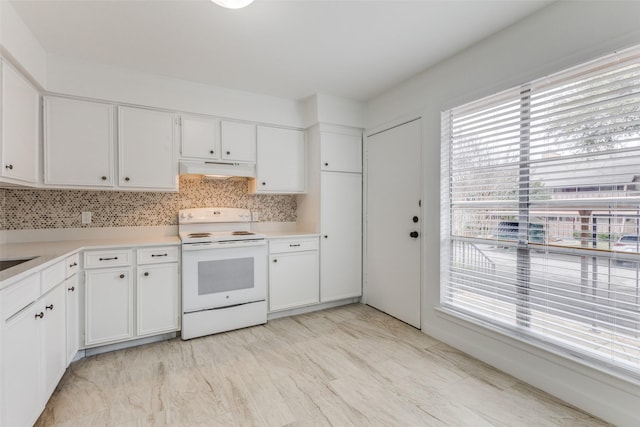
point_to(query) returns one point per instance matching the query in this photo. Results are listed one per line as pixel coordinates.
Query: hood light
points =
(233, 4)
(216, 177)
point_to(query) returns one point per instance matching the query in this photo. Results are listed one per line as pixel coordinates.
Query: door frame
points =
(365, 199)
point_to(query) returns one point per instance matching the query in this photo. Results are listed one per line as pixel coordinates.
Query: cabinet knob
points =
(72, 289)
(264, 183)
(104, 178)
(127, 179)
(108, 259)
(326, 236)
(211, 152)
(122, 276)
(275, 260)
(146, 274)
(39, 315)
(8, 167)
(49, 307)
(73, 265)
(326, 164)
(228, 152)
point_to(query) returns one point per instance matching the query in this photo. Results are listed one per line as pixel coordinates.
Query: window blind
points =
(541, 211)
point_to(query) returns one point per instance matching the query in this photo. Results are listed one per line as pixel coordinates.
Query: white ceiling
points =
(291, 49)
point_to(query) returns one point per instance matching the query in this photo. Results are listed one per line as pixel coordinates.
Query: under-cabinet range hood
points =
(220, 170)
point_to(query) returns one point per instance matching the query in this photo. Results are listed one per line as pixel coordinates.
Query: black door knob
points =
(414, 234)
(415, 219)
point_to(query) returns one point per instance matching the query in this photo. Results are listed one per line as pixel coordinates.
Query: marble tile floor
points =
(348, 366)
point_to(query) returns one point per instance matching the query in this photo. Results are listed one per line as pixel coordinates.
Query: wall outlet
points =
(86, 217)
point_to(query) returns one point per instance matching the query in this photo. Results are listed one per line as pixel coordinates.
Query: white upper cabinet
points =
(19, 124)
(238, 142)
(341, 153)
(147, 149)
(280, 161)
(200, 138)
(78, 133)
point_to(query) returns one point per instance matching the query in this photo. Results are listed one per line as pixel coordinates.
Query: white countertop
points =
(50, 252)
(47, 253)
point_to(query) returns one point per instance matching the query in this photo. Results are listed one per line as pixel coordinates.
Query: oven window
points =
(225, 275)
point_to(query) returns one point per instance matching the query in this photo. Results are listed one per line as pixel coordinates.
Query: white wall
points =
(561, 35)
(20, 46)
(79, 78)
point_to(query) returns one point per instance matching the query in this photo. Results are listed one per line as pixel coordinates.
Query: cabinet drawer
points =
(104, 258)
(157, 255)
(293, 245)
(20, 295)
(72, 265)
(51, 276)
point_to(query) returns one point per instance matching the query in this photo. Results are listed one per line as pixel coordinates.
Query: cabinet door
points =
(238, 142)
(280, 161)
(78, 143)
(341, 236)
(147, 150)
(73, 317)
(19, 126)
(21, 369)
(293, 280)
(342, 153)
(108, 305)
(54, 349)
(200, 138)
(157, 298)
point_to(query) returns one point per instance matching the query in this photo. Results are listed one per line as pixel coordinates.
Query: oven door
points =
(223, 274)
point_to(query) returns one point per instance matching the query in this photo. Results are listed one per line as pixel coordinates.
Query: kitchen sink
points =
(8, 263)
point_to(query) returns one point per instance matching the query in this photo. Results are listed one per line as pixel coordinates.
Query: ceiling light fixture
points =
(233, 4)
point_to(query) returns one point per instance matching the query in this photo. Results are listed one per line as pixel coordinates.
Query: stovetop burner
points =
(196, 235)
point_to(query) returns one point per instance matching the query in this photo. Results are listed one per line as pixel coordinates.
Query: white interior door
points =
(394, 223)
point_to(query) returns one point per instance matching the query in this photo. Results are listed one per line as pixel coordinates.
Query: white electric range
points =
(224, 271)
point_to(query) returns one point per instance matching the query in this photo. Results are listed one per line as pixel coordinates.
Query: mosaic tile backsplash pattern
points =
(22, 209)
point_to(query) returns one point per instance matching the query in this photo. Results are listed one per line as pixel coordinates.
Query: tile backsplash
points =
(22, 209)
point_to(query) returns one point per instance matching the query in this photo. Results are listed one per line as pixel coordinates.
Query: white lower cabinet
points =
(73, 317)
(33, 352)
(21, 402)
(109, 305)
(157, 306)
(136, 296)
(54, 354)
(293, 273)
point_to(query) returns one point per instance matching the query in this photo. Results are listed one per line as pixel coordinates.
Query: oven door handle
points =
(222, 245)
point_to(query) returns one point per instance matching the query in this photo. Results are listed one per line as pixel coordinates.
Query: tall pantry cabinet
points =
(333, 208)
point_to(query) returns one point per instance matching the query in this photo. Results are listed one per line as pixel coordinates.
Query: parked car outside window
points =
(627, 243)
